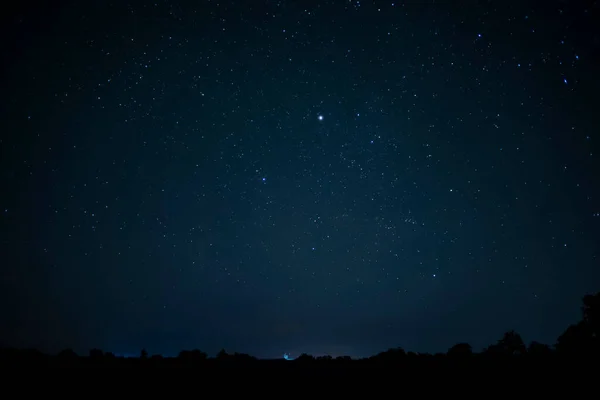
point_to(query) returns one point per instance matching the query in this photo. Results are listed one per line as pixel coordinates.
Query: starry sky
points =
(333, 177)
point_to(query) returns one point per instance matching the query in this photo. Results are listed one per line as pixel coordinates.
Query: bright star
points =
(320, 118)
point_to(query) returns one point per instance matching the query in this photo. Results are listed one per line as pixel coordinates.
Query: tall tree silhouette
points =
(591, 312)
(583, 338)
(222, 355)
(143, 354)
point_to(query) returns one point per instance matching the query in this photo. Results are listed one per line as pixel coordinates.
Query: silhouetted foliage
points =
(460, 350)
(578, 340)
(96, 354)
(390, 355)
(583, 338)
(539, 349)
(305, 358)
(511, 344)
(591, 311)
(222, 355)
(67, 355)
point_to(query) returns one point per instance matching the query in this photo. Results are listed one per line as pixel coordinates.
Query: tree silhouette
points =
(583, 338)
(591, 313)
(591, 309)
(460, 350)
(538, 349)
(143, 354)
(67, 354)
(96, 354)
(511, 344)
(578, 341)
(222, 355)
(390, 355)
(305, 358)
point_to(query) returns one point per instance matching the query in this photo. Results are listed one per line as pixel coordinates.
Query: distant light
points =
(264, 179)
(320, 117)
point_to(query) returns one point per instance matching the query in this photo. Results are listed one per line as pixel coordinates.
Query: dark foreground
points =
(571, 364)
(395, 372)
(394, 359)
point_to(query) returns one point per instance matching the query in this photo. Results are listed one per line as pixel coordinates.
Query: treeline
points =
(579, 341)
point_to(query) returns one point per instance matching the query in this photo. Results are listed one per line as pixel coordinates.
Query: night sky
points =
(334, 177)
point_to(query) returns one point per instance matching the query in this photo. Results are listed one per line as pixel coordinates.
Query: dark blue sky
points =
(281, 176)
